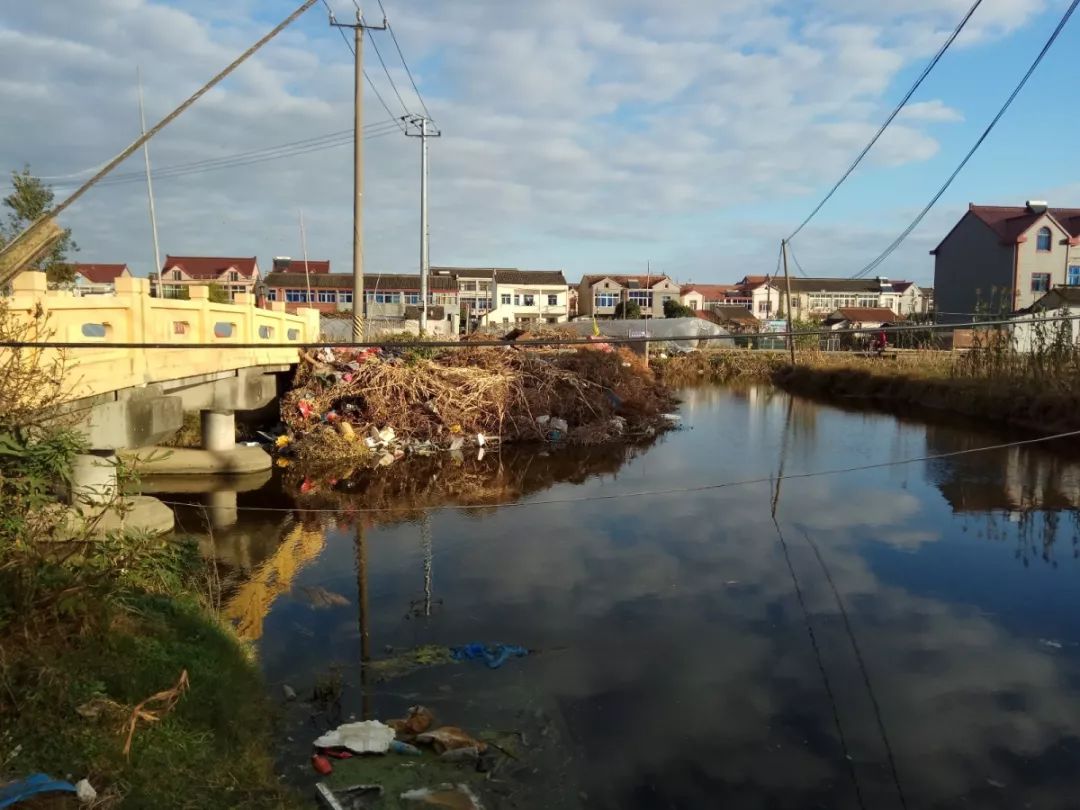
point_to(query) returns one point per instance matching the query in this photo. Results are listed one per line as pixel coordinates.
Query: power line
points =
(675, 490)
(371, 84)
(386, 70)
(892, 116)
(408, 72)
(1004, 108)
(795, 259)
(247, 159)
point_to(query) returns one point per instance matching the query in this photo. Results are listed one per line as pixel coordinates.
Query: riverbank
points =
(928, 382)
(115, 668)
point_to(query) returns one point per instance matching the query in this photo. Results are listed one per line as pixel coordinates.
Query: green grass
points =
(212, 751)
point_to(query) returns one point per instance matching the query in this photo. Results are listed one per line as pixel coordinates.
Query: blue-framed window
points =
(344, 297)
(1040, 282)
(607, 299)
(327, 297)
(1074, 275)
(296, 296)
(1044, 240)
(271, 294)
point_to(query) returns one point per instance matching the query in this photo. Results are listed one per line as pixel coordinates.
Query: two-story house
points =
(757, 294)
(235, 275)
(819, 297)
(98, 279)
(505, 296)
(391, 296)
(599, 295)
(1003, 258)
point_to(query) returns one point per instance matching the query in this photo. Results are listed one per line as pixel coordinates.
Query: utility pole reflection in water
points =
(362, 600)
(426, 544)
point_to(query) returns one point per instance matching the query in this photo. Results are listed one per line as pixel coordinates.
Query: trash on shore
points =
(348, 798)
(417, 721)
(85, 792)
(288, 692)
(36, 784)
(458, 797)
(362, 737)
(381, 405)
(449, 738)
(494, 655)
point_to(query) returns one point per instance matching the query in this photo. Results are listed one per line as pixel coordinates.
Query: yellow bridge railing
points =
(133, 316)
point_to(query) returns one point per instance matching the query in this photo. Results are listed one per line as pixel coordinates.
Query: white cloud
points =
(589, 118)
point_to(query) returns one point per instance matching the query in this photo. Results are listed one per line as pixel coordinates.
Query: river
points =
(903, 635)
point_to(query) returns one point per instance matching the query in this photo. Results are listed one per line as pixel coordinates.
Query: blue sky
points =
(590, 136)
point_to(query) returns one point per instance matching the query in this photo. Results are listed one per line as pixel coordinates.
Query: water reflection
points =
(679, 665)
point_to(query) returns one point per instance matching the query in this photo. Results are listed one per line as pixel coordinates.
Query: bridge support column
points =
(218, 430)
(93, 478)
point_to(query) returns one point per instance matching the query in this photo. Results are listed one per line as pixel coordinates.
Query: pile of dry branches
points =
(498, 393)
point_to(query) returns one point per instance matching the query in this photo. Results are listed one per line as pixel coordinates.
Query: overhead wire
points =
(404, 63)
(795, 259)
(971, 152)
(393, 85)
(896, 111)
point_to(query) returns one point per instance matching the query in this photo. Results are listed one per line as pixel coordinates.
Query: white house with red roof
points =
(998, 259)
(98, 279)
(758, 294)
(235, 275)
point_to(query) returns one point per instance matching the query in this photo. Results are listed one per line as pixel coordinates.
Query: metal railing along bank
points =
(209, 338)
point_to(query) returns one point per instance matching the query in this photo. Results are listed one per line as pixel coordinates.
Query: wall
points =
(1032, 260)
(971, 267)
(506, 314)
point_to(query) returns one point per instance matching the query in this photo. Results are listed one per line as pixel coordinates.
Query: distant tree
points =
(628, 309)
(30, 199)
(219, 295)
(673, 309)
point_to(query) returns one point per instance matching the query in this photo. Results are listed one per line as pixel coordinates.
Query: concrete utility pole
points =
(787, 294)
(422, 123)
(149, 182)
(358, 167)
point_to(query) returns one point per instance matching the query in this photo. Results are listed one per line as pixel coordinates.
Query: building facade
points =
(388, 295)
(98, 279)
(999, 259)
(816, 298)
(757, 294)
(506, 296)
(234, 275)
(599, 295)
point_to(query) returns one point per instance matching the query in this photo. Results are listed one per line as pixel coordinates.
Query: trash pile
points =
(386, 403)
(448, 755)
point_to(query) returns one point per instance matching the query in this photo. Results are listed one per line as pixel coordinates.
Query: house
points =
(98, 279)
(287, 264)
(599, 295)
(734, 318)
(1004, 258)
(502, 296)
(235, 275)
(1060, 300)
(756, 294)
(388, 295)
(819, 297)
(861, 318)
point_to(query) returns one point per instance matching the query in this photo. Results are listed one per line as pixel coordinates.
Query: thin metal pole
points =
(149, 182)
(303, 246)
(787, 294)
(358, 183)
(424, 260)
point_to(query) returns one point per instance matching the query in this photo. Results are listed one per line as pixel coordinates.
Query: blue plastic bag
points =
(494, 655)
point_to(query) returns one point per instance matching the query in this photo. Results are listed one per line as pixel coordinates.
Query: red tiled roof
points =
(651, 280)
(101, 273)
(868, 314)
(712, 292)
(211, 265)
(298, 266)
(754, 281)
(1011, 221)
(735, 313)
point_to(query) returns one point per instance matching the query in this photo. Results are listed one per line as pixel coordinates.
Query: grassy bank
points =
(1034, 391)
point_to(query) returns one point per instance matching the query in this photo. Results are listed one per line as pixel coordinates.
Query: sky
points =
(592, 136)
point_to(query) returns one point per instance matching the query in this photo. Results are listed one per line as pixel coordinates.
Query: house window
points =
(517, 300)
(234, 276)
(1040, 282)
(643, 298)
(764, 306)
(295, 296)
(1074, 275)
(327, 297)
(1042, 242)
(271, 294)
(468, 286)
(606, 299)
(177, 275)
(344, 298)
(384, 297)
(504, 299)
(412, 298)
(553, 300)
(529, 299)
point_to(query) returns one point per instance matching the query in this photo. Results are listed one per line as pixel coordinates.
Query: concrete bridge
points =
(126, 398)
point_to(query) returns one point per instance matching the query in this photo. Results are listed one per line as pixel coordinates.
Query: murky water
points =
(903, 636)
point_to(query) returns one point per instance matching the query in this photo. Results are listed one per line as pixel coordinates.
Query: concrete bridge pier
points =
(96, 501)
(218, 430)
